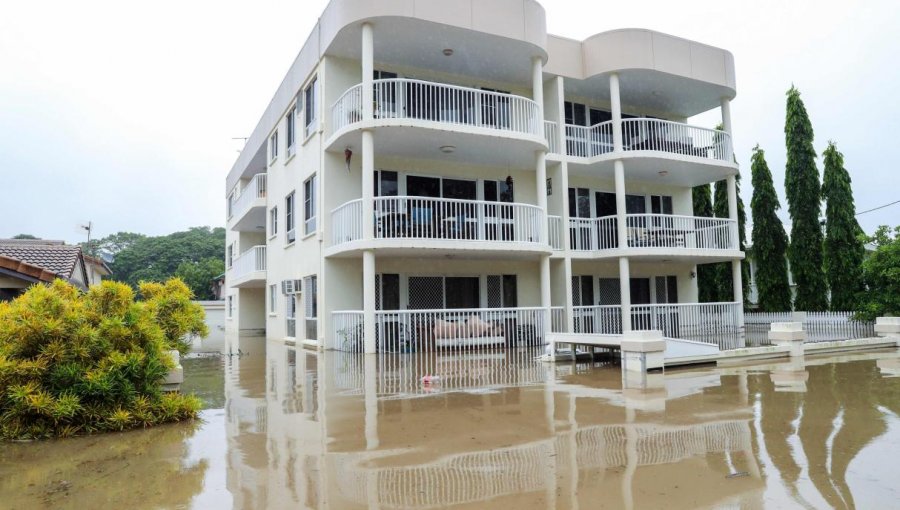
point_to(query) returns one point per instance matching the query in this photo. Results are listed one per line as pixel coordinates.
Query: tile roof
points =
(26, 269)
(55, 258)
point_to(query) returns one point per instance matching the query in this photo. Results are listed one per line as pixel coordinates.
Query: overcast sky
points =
(123, 113)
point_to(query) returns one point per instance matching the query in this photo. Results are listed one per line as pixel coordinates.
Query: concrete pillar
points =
(540, 167)
(368, 184)
(621, 216)
(888, 326)
(642, 351)
(545, 292)
(369, 301)
(625, 292)
(726, 115)
(561, 118)
(537, 85)
(368, 71)
(616, 107)
(790, 334)
(567, 268)
(371, 397)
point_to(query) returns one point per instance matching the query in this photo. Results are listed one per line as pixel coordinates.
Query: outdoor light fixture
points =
(448, 52)
(693, 275)
(448, 149)
(348, 155)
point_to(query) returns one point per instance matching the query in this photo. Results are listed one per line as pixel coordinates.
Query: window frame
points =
(291, 130)
(309, 205)
(290, 212)
(273, 221)
(310, 113)
(273, 299)
(273, 147)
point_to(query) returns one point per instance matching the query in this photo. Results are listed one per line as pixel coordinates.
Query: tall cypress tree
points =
(844, 250)
(801, 182)
(770, 242)
(706, 273)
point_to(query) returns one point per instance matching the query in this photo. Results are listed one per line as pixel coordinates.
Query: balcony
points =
(249, 269)
(404, 224)
(656, 235)
(248, 210)
(451, 329)
(689, 154)
(469, 120)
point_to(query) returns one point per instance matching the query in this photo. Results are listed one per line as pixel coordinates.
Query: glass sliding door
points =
(580, 224)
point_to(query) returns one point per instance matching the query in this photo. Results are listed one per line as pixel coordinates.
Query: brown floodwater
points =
(286, 428)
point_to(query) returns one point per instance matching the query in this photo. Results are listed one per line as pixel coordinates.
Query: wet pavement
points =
(287, 428)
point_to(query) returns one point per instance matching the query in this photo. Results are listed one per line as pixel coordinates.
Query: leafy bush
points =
(73, 363)
(881, 273)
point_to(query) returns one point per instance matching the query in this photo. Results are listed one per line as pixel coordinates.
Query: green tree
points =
(801, 182)
(881, 274)
(111, 244)
(844, 250)
(24, 236)
(770, 242)
(723, 289)
(198, 275)
(706, 273)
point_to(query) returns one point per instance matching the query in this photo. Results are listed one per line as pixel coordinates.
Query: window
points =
(273, 296)
(311, 307)
(273, 221)
(387, 292)
(502, 291)
(309, 104)
(290, 315)
(666, 289)
(289, 127)
(230, 308)
(229, 255)
(660, 204)
(273, 146)
(309, 205)
(289, 217)
(230, 205)
(438, 292)
(386, 184)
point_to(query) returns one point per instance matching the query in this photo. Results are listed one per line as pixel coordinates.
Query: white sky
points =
(123, 113)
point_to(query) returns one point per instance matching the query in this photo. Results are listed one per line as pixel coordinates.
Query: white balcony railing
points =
(403, 98)
(551, 133)
(599, 320)
(644, 135)
(255, 189)
(558, 319)
(555, 232)
(713, 323)
(250, 263)
(441, 219)
(654, 231)
(426, 330)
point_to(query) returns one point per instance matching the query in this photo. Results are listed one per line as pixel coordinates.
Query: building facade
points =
(453, 176)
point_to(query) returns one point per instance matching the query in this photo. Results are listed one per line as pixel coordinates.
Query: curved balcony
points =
(249, 269)
(249, 208)
(469, 120)
(662, 236)
(652, 145)
(406, 224)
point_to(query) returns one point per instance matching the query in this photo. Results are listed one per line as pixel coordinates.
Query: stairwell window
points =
(273, 297)
(273, 221)
(311, 306)
(290, 121)
(309, 205)
(229, 256)
(309, 105)
(289, 218)
(273, 146)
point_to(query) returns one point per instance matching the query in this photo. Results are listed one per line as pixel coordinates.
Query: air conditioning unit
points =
(289, 287)
(291, 236)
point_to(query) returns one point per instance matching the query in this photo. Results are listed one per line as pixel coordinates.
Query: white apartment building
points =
(447, 174)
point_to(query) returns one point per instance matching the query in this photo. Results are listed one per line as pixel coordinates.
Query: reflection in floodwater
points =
(497, 429)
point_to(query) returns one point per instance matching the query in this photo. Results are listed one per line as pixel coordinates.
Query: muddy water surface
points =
(290, 429)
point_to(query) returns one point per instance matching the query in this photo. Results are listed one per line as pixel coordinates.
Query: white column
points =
(726, 115)
(537, 85)
(621, 218)
(540, 167)
(368, 184)
(545, 291)
(616, 107)
(369, 301)
(368, 70)
(625, 291)
(570, 317)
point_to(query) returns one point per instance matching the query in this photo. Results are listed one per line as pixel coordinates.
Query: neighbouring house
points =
(25, 262)
(97, 269)
(218, 287)
(455, 176)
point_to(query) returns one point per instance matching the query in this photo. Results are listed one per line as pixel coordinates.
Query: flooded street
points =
(289, 428)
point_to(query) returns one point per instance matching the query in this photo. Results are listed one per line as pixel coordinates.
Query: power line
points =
(879, 207)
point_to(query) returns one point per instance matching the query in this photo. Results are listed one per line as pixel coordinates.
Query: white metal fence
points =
(403, 98)
(713, 323)
(654, 231)
(600, 320)
(449, 329)
(819, 326)
(551, 132)
(558, 319)
(589, 141)
(346, 223)
(555, 232)
(254, 190)
(250, 262)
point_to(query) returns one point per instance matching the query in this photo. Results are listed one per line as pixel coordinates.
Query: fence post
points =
(790, 334)
(888, 326)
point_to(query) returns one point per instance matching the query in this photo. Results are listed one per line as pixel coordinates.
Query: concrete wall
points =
(215, 322)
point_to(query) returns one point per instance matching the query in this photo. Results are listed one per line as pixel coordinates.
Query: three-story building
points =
(439, 175)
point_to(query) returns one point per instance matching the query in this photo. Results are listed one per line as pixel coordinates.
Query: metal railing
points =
(819, 326)
(255, 189)
(555, 232)
(453, 329)
(403, 98)
(646, 135)
(346, 222)
(558, 319)
(598, 320)
(249, 262)
(654, 231)
(551, 133)
(712, 323)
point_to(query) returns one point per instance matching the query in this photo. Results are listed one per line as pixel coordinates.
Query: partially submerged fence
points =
(819, 326)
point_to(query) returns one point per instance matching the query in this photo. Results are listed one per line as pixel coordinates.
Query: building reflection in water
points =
(432, 430)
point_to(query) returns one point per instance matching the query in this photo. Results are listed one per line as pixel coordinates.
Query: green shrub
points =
(77, 363)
